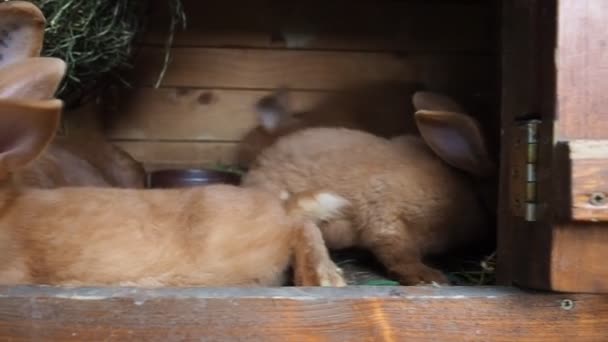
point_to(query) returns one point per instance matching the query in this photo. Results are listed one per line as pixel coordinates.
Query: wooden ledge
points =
(585, 184)
(300, 314)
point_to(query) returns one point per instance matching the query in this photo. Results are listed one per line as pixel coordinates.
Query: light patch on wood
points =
(588, 149)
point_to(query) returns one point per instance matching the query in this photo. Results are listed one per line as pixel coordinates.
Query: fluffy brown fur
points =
(216, 235)
(76, 162)
(406, 202)
(206, 236)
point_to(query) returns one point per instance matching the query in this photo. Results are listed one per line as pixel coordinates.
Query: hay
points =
(475, 271)
(95, 38)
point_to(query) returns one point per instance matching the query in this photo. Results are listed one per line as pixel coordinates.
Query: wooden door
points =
(555, 70)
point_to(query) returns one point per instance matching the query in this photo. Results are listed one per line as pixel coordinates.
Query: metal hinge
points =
(524, 161)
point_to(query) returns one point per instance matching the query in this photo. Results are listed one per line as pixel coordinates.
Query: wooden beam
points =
(560, 66)
(524, 42)
(194, 153)
(581, 68)
(585, 180)
(300, 314)
(222, 68)
(331, 25)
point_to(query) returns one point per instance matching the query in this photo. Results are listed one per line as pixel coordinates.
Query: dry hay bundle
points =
(95, 38)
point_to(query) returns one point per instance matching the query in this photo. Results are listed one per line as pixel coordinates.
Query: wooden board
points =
(192, 114)
(300, 314)
(581, 70)
(436, 26)
(311, 70)
(185, 152)
(528, 30)
(578, 251)
(585, 193)
(577, 258)
(227, 114)
(562, 62)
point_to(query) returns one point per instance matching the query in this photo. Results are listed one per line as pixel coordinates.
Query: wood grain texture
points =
(300, 314)
(192, 114)
(311, 70)
(227, 114)
(563, 58)
(589, 190)
(521, 97)
(582, 70)
(578, 250)
(446, 26)
(184, 153)
(578, 257)
(587, 187)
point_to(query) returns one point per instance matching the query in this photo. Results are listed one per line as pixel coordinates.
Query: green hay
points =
(361, 268)
(475, 272)
(95, 38)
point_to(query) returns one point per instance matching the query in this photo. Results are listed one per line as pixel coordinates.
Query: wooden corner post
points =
(553, 229)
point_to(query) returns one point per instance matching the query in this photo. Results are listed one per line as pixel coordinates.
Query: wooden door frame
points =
(552, 66)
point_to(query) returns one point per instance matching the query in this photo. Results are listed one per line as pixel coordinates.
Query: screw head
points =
(567, 304)
(597, 199)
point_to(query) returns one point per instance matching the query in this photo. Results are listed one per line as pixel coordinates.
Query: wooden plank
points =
(311, 70)
(300, 314)
(178, 165)
(227, 114)
(568, 97)
(582, 70)
(336, 25)
(589, 190)
(192, 114)
(521, 96)
(184, 152)
(578, 250)
(586, 186)
(578, 257)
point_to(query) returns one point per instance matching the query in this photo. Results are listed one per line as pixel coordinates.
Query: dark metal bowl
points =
(174, 178)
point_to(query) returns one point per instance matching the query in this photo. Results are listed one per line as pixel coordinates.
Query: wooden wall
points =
(234, 52)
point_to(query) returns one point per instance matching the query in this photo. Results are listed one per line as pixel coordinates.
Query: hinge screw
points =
(597, 199)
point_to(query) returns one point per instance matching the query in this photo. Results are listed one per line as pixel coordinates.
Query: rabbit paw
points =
(330, 275)
(421, 274)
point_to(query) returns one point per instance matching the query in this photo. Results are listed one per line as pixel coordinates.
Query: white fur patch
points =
(269, 119)
(327, 205)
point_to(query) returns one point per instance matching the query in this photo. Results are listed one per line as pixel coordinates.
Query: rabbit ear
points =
(273, 110)
(457, 139)
(21, 31)
(426, 100)
(33, 78)
(26, 128)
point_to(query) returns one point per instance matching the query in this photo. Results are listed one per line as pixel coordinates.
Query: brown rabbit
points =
(381, 109)
(68, 161)
(206, 236)
(407, 202)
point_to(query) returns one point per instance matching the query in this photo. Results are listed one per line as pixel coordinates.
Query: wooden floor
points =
(300, 314)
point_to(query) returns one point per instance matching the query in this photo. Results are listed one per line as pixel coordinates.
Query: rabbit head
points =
(457, 139)
(275, 119)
